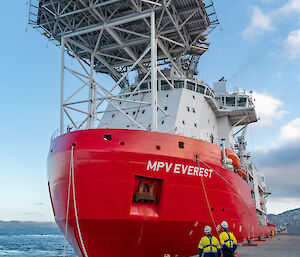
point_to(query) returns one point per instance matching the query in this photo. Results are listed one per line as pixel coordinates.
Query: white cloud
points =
(292, 44)
(268, 108)
(291, 131)
(282, 204)
(259, 23)
(264, 22)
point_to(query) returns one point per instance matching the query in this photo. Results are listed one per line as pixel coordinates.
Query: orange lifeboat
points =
(242, 173)
(235, 159)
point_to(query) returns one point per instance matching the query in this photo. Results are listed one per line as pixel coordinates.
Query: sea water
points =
(33, 242)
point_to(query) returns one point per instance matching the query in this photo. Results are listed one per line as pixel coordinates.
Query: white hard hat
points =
(224, 224)
(207, 229)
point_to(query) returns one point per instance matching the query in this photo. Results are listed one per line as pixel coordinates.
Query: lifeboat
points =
(242, 173)
(235, 159)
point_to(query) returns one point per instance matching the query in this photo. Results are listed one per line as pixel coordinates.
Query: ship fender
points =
(235, 159)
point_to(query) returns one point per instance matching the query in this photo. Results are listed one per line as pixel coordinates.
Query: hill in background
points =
(26, 224)
(287, 217)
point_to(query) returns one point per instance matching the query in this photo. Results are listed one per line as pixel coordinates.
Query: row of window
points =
(179, 84)
(189, 109)
(232, 101)
(195, 124)
(127, 113)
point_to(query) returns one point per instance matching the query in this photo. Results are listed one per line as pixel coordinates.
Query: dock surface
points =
(283, 245)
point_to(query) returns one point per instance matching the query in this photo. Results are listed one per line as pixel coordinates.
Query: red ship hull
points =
(189, 194)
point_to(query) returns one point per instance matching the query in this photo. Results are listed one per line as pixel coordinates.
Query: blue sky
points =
(257, 49)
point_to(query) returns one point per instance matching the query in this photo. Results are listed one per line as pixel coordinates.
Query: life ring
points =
(235, 159)
(242, 173)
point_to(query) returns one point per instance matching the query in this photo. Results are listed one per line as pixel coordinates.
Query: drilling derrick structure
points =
(117, 37)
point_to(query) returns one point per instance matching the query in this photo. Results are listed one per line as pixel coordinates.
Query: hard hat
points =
(207, 229)
(224, 224)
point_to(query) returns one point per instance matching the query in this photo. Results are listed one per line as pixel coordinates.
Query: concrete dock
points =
(283, 245)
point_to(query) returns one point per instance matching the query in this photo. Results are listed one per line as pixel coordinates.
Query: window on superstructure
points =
(133, 113)
(144, 86)
(193, 109)
(188, 108)
(200, 89)
(143, 111)
(166, 108)
(113, 115)
(165, 85)
(183, 122)
(242, 101)
(157, 86)
(230, 101)
(190, 86)
(162, 122)
(208, 92)
(195, 125)
(178, 84)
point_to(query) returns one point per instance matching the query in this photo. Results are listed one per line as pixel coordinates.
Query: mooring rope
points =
(207, 202)
(227, 183)
(75, 204)
(72, 180)
(68, 204)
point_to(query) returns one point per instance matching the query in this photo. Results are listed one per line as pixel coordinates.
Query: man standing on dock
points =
(228, 241)
(209, 245)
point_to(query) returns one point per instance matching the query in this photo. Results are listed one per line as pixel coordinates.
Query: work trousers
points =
(210, 255)
(228, 254)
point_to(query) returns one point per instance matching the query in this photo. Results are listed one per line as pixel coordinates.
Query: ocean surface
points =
(33, 242)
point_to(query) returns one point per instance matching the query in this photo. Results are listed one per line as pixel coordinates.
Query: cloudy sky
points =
(257, 48)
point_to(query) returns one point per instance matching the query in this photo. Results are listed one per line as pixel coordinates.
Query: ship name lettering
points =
(177, 168)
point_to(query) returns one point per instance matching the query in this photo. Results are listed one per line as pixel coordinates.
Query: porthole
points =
(113, 115)
(120, 102)
(183, 122)
(162, 122)
(143, 111)
(194, 97)
(126, 113)
(107, 137)
(122, 143)
(166, 108)
(158, 147)
(133, 113)
(167, 95)
(181, 144)
(188, 108)
(195, 124)
(193, 109)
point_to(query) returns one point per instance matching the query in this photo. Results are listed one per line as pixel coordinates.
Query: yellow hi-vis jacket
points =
(209, 245)
(228, 239)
